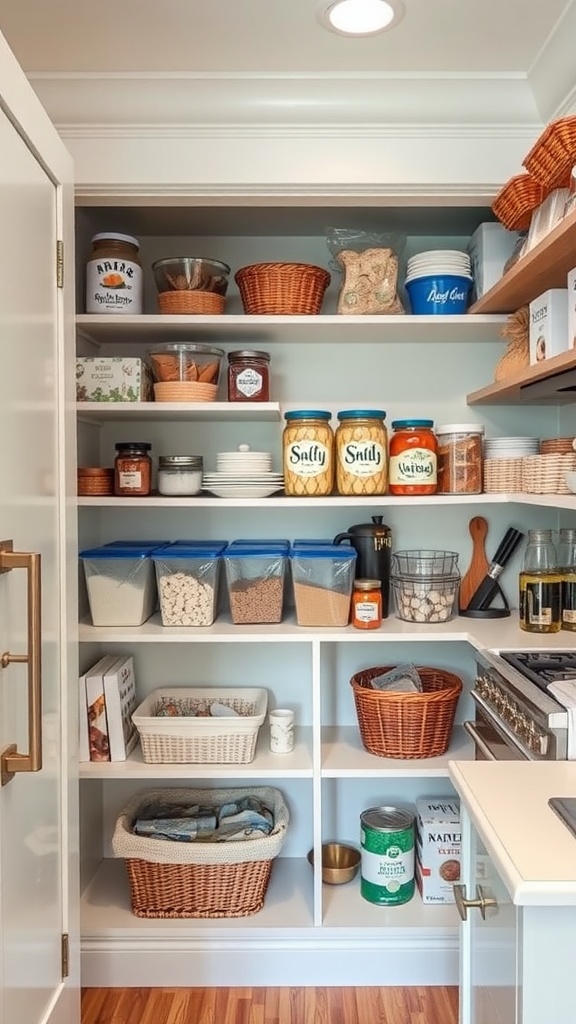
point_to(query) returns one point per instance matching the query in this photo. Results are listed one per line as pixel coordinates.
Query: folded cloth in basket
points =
(246, 818)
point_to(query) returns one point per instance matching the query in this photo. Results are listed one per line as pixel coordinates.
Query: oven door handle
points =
(483, 747)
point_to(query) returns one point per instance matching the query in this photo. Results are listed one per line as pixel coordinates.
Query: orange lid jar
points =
(413, 457)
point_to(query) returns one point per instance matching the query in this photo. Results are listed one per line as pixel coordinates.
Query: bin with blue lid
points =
(120, 584)
(255, 574)
(322, 578)
(188, 577)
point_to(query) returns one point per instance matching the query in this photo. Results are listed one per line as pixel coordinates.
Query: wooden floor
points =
(270, 1006)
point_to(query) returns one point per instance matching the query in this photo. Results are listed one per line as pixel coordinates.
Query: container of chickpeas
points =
(361, 452)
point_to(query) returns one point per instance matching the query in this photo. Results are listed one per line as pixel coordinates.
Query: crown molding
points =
(523, 133)
(308, 193)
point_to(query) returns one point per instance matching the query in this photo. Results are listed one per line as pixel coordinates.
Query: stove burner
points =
(542, 667)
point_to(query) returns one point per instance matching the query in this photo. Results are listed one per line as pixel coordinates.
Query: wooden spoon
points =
(479, 563)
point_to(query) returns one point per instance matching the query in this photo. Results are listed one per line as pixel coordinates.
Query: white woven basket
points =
(187, 739)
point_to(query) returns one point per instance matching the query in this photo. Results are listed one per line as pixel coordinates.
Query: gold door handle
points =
(11, 760)
(481, 901)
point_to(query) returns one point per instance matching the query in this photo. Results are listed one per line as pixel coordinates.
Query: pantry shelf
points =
(178, 412)
(343, 756)
(567, 501)
(552, 381)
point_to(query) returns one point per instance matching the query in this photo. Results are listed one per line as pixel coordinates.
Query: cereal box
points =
(438, 846)
(115, 379)
(549, 325)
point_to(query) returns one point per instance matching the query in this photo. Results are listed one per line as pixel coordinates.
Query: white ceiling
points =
(505, 61)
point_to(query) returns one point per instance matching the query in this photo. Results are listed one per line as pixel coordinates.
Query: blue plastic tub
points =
(439, 296)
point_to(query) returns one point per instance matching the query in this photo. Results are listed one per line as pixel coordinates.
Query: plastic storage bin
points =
(255, 573)
(188, 580)
(120, 584)
(322, 578)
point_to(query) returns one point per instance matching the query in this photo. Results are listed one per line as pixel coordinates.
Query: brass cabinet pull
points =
(481, 901)
(11, 760)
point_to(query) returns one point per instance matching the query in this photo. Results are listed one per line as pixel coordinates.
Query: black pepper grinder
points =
(373, 545)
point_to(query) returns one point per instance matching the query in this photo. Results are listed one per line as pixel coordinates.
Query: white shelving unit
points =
(306, 933)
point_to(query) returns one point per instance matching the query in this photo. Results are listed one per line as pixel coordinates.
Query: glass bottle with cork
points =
(540, 585)
(567, 569)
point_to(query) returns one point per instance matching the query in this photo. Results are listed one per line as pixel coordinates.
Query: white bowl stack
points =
(439, 263)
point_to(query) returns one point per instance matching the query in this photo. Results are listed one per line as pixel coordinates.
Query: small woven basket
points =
(544, 474)
(183, 301)
(517, 200)
(501, 475)
(282, 288)
(407, 725)
(209, 880)
(554, 154)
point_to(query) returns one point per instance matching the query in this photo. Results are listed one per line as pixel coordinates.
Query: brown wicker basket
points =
(282, 288)
(204, 880)
(517, 200)
(183, 301)
(95, 481)
(554, 153)
(407, 725)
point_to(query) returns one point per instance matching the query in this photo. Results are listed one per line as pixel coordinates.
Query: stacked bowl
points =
(438, 282)
(425, 584)
(185, 372)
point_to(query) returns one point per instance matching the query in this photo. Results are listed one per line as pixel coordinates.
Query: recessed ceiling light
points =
(361, 17)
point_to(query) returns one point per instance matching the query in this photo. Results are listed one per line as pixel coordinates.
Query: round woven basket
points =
(282, 288)
(191, 302)
(406, 725)
(517, 200)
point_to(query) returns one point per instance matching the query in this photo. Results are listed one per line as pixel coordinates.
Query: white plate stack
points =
(243, 474)
(510, 447)
(439, 263)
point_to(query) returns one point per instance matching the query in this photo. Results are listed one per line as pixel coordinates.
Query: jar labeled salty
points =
(460, 458)
(180, 474)
(413, 457)
(248, 376)
(361, 452)
(308, 453)
(132, 469)
(114, 274)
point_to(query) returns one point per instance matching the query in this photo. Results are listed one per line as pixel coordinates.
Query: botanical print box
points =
(114, 379)
(438, 848)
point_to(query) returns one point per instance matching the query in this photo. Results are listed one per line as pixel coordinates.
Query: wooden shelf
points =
(551, 382)
(545, 266)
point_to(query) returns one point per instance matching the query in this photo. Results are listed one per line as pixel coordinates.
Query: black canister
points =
(373, 545)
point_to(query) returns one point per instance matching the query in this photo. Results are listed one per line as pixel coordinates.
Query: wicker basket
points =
(554, 154)
(209, 880)
(183, 301)
(502, 475)
(187, 737)
(406, 725)
(517, 200)
(544, 474)
(282, 288)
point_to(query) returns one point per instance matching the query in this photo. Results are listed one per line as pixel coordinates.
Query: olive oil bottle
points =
(567, 568)
(540, 585)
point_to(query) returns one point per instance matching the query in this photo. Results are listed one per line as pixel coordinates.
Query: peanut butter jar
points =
(308, 453)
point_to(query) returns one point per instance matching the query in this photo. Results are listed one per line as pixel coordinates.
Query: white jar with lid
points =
(180, 475)
(114, 275)
(460, 458)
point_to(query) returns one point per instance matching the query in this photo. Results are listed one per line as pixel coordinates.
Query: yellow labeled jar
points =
(361, 452)
(308, 453)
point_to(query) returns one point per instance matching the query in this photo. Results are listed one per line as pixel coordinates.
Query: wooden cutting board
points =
(479, 564)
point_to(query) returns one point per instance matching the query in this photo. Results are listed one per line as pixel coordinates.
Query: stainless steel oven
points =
(515, 717)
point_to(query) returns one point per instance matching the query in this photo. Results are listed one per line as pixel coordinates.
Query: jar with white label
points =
(308, 453)
(180, 475)
(248, 376)
(114, 275)
(361, 452)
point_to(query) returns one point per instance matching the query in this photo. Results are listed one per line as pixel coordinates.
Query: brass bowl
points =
(340, 863)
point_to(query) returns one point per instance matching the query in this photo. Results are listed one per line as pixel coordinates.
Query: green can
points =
(387, 848)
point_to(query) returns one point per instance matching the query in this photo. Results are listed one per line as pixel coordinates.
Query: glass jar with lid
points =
(132, 469)
(567, 570)
(460, 458)
(413, 457)
(361, 452)
(180, 475)
(114, 274)
(366, 612)
(540, 585)
(248, 376)
(308, 453)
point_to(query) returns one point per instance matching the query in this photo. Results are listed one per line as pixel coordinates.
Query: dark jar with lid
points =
(114, 274)
(248, 376)
(132, 469)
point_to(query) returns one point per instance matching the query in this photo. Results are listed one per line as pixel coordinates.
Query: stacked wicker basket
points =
(548, 166)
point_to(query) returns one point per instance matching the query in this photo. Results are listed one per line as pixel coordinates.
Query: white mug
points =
(281, 731)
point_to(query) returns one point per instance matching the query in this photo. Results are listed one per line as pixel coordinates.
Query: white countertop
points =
(533, 851)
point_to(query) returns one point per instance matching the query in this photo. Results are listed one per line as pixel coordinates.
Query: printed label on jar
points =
(249, 382)
(366, 611)
(113, 286)
(362, 458)
(307, 458)
(413, 466)
(130, 481)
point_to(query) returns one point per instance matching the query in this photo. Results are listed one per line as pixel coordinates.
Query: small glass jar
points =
(567, 570)
(540, 585)
(114, 275)
(308, 453)
(361, 452)
(132, 469)
(460, 458)
(248, 376)
(367, 604)
(413, 458)
(180, 475)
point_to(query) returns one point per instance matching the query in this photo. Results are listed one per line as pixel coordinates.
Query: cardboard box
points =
(115, 379)
(489, 248)
(548, 325)
(571, 291)
(438, 848)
